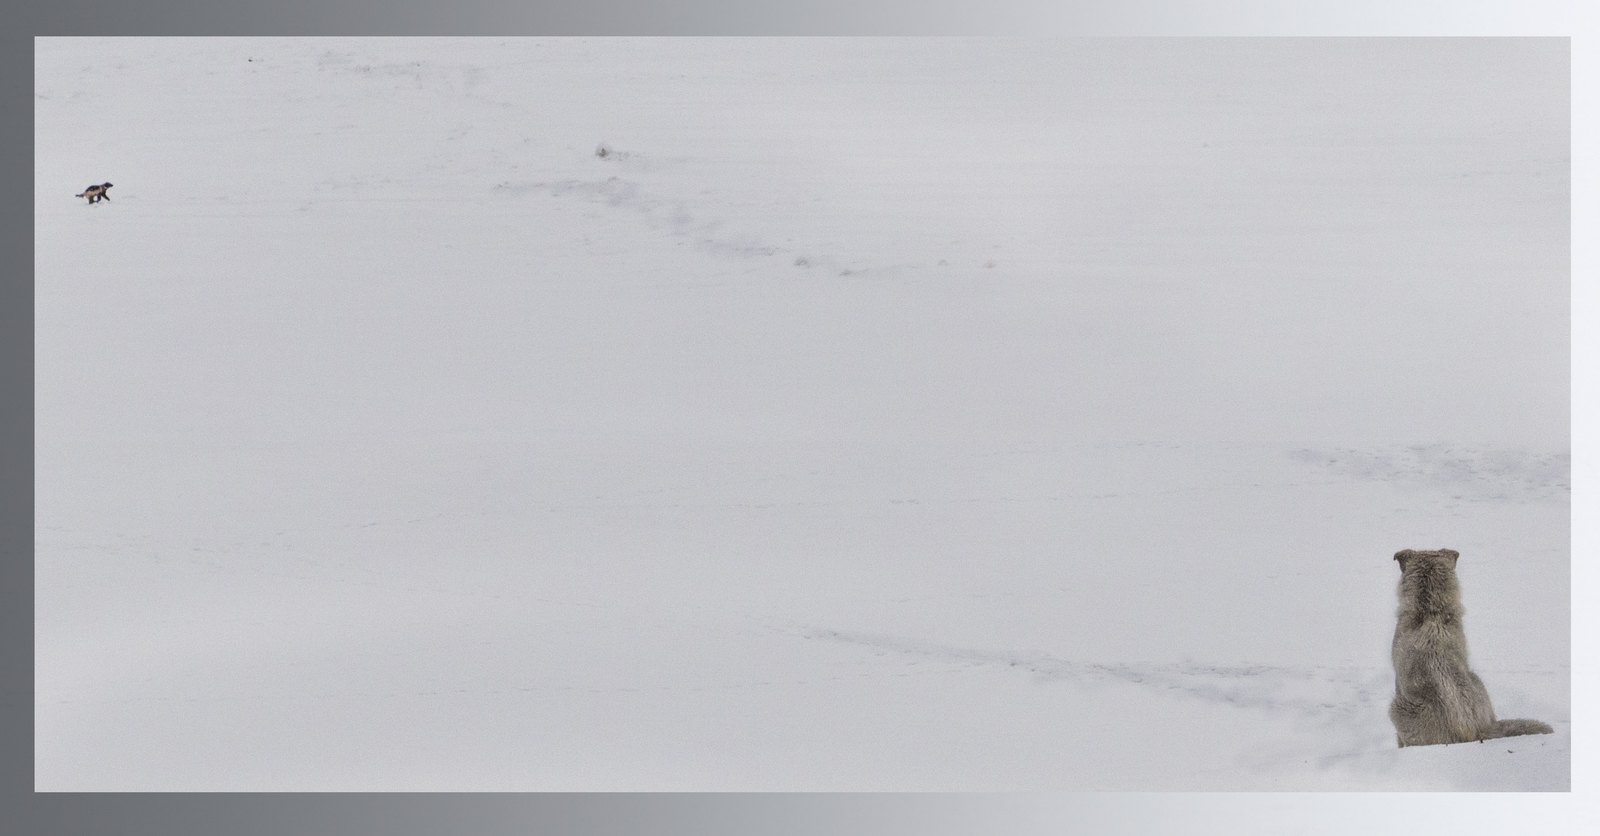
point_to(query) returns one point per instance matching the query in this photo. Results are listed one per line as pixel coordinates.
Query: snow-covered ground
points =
(869, 415)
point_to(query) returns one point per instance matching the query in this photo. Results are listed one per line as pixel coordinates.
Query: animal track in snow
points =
(1300, 691)
(678, 218)
(1480, 475)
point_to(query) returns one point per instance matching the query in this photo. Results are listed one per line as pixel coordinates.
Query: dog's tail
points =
(1514, 728)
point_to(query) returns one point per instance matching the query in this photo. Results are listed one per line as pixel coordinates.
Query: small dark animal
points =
(96, 193)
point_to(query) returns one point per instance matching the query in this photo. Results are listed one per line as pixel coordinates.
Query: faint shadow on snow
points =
(675, 218)
(1485, 475)
(1330, 695)
(682, 220)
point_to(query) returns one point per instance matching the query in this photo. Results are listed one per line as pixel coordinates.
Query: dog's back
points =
(1438, 699)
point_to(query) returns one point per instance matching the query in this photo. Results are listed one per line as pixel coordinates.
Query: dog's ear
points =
(1453, 556)
(1404, 555)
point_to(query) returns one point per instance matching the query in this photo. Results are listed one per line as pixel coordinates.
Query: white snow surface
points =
(872, 414)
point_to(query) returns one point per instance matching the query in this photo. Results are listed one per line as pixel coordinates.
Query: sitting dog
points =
(1438, 699)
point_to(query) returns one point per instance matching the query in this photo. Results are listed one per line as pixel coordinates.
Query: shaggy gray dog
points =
(1437, 698)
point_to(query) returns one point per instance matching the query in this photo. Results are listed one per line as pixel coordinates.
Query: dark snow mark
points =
(606, 152)
(633, 161)
(1476, 475)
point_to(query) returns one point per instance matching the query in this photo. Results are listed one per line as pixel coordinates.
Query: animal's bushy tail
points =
(1513, 728)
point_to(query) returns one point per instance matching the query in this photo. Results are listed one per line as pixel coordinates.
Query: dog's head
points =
(1441, 556)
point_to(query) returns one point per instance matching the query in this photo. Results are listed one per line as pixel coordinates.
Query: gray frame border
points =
(245, 815)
